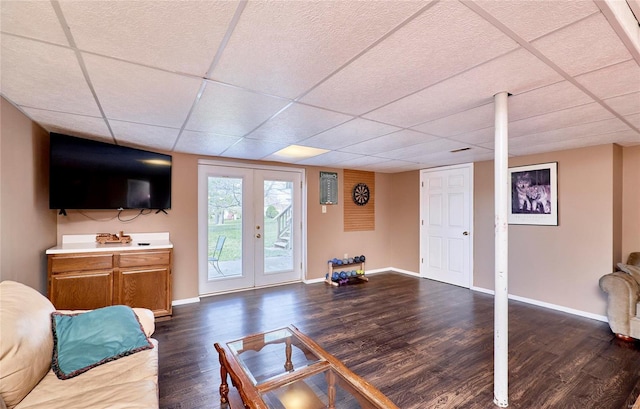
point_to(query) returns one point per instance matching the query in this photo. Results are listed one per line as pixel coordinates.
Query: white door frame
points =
(202, 213)
(424, 225)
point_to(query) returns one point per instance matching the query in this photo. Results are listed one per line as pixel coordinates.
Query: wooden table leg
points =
(224, 386)
(288, 365)
(331, 382)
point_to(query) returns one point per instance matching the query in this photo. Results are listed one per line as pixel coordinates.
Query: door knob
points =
(258, 235)
(466, 233)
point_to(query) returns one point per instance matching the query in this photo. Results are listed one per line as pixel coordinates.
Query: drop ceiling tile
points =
(461, 122)
(359, 162)
(447, 157)
(44, 76)
(572, 132)
(516, 72)
(559, 119)
(480, 136)
(584, 46)
(554, 97)
(232, 111)
(181, 36)
(395, 166)
(634, 120)
(349, 133)
(253, 149)
(615, 80)
(425, 51)
(396, 140)
(70, 124)
(575, 144)
(328, 159)
(625, 104)
(135, 93)
(298, 122)
(532, 19)
(413, 152)
(204, 143)
(42, 24)
(144, 136)
(284, 48)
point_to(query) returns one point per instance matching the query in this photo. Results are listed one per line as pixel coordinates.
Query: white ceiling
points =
(385, 86)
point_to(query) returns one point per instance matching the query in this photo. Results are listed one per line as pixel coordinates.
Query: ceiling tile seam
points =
(37, 40)
(614, 21)
(370, 47)
(385, 36)
(529, 47)
(534, 144)
(214, 63)
(555, 30)
(203, 86)
(59, 112)
(227, 36)
(67, 32)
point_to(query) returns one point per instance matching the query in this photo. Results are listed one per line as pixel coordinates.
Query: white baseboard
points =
(550, 306)
(313, 281)
(406, 272)
(185, 301)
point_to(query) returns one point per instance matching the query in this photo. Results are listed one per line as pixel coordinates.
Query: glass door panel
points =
(278, 202)
(277, 222)
(224, 240)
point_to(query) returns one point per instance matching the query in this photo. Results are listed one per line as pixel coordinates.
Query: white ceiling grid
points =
(386, 86)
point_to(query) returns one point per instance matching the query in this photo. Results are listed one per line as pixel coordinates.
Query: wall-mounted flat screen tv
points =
(86, 174)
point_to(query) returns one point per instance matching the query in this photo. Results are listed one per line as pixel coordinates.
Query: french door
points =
(249, 227)
(446, 213)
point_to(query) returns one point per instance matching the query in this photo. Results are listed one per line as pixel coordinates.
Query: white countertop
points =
(85, 243)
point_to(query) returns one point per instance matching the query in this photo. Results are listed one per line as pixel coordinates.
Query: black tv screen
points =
(85, 174)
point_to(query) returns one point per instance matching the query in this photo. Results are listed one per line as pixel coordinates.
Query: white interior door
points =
(249, 227)
(446, 220)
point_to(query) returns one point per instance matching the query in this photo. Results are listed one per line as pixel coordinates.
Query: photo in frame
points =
(534, 194)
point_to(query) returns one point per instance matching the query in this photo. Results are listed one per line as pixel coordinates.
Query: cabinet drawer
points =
(83, 262)
(148, 258)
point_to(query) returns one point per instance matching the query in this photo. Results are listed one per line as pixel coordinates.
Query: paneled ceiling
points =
(385, 86)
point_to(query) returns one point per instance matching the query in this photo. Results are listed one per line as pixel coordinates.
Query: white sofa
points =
(26, 347)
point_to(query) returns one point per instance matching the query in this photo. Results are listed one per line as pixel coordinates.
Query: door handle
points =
(466, 233)
(258, 235)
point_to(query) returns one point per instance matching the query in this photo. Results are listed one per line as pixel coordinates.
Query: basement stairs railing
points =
(283, 223)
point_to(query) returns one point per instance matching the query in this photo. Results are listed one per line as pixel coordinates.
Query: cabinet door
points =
(82, 290)
(146, 288)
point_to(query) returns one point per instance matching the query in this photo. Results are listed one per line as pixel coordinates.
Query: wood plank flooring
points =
(424, 344)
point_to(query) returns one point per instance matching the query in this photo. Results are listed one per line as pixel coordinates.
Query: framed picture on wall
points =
(534, 194)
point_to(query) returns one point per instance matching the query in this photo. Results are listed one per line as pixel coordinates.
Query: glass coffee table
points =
(285, 369)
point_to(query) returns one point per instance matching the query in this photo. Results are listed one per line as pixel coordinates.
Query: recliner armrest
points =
(624, 294)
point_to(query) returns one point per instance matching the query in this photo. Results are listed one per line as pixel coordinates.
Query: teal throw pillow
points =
(85, 340)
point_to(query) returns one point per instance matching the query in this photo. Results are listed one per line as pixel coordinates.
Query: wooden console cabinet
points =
(86, 280)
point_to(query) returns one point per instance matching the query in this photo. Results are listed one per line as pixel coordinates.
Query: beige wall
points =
(560, 264)
(326, 238)
(27, 226)
(404, 216)
(630, 201)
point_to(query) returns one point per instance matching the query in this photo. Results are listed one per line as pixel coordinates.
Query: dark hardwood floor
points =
(424, 344)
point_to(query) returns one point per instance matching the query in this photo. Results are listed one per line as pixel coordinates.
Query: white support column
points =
(501, 312)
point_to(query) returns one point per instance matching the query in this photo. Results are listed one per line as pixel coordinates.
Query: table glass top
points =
(327, 389)
(272, 354)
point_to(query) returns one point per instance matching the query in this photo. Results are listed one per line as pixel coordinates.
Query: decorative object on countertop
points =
(105, 238)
